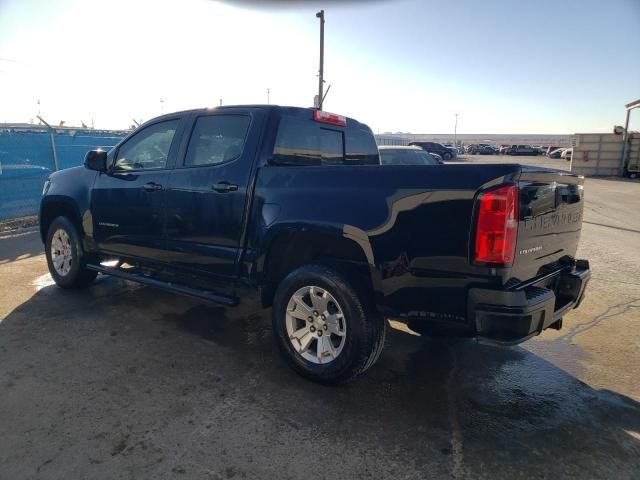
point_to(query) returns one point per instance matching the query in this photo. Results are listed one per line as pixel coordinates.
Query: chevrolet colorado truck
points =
(291, 207)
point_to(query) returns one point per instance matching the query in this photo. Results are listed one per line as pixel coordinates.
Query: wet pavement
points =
(123, 381)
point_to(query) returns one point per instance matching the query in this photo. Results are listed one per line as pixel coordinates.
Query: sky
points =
(545, 66)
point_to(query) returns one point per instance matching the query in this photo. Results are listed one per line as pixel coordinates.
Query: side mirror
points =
(96, 160)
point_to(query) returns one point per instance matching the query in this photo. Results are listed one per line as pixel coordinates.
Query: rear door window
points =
(216, 139)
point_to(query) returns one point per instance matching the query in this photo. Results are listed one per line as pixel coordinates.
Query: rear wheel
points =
(325, 326)
(446, 156)
(65, 256)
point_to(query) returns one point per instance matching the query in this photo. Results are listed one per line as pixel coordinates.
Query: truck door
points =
(207, 193)
(127, 203)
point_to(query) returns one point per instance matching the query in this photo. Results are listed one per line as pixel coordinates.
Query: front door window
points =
(148, 149)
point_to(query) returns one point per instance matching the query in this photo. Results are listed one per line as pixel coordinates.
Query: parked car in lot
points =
(502, 150)
(539, 150)
(437, 157)
(550, 149)
(291, 208)
(486, 149)
(394, 155)
(432, 147)
(452, 147)
(521, 150)
(567, 153)
(481, 149)
(556, 153)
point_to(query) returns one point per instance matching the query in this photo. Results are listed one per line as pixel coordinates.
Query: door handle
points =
(152, 187)
(225, 187)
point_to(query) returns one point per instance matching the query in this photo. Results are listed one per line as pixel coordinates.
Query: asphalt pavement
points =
(123, 381)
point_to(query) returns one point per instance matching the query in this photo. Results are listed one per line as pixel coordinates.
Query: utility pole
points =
(268, 94)
(161, 105)
(455, 133)
(320, 15)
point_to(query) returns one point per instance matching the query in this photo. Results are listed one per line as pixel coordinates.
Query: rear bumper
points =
(508, 317)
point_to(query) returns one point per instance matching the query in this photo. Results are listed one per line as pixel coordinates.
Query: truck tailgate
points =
(550, 220)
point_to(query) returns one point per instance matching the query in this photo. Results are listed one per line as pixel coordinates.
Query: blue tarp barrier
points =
(26, 159)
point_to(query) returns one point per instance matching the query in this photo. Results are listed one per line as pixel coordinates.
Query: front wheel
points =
(325, 326)
(65, 256)
(447, 156)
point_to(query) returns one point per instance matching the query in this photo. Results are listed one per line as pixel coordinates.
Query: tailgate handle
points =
(225, 187)
(568, 194)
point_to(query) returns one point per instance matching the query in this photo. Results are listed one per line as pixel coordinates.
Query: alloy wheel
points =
(316, 326)
(61, 253)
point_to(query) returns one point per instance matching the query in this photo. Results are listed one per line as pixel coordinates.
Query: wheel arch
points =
(57, 206)
(346, 251)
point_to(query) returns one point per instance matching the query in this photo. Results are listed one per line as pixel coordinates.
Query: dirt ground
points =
(122, 381)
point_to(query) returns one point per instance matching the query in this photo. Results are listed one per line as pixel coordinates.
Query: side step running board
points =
(171, 287)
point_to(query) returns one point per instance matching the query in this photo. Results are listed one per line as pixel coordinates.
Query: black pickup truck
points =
(290, 206)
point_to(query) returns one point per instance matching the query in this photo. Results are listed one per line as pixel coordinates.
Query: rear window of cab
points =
(302, 141)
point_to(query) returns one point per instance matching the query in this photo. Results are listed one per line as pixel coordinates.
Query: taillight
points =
(497, 225)
(330, 118)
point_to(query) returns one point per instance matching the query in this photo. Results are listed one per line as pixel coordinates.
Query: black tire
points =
(364, 326)
(78, 276)
(447, 156)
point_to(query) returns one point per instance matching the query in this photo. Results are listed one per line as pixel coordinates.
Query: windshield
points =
(406, 157)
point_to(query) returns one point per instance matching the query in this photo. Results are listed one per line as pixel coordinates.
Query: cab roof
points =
(269, 107)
